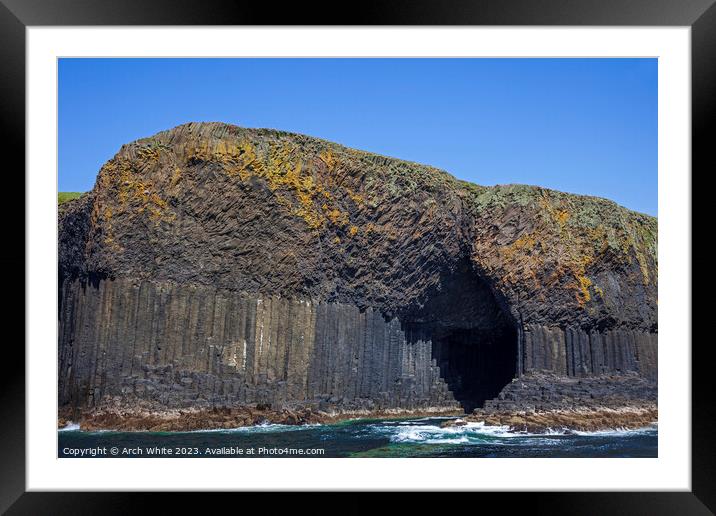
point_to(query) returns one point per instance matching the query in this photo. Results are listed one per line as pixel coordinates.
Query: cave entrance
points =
(474, 338)
(476, 364)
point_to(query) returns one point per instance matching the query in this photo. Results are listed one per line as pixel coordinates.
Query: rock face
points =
(540, 391)
(213, 265)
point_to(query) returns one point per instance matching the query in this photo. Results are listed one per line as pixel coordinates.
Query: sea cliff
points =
(216, 267)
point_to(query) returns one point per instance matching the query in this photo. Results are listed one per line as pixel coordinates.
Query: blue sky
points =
(585, 126)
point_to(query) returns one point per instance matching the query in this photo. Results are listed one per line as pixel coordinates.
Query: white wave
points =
(504, 431)
(70, 427)
(260, 428)
(480, 433)
(429, 434)
(491, 430)
(620, 431)
(429, 418)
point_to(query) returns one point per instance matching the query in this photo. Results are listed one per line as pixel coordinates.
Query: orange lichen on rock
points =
(288, 174)
(584, 284)
(337, 217)
(329, 159)
(149, 155)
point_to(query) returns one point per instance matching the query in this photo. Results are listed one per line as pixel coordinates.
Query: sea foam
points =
(480, 433)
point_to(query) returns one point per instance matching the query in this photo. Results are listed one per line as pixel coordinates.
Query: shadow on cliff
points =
(474, 341)
(476, 365)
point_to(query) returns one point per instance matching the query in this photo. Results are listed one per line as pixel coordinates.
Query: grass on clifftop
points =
(67, 196)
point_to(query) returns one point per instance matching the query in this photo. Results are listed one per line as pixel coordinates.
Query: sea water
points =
(421, 437)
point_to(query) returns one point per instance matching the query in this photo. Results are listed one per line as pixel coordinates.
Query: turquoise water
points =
(421, 437)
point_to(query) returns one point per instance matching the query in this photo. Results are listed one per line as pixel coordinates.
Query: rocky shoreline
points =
(183, 420)
(533, 403)
(540, 421)
(586, 420)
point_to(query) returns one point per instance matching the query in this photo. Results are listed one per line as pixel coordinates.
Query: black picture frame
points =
(16, 15)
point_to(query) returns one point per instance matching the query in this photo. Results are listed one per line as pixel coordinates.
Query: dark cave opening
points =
(476, 364)
(474, 338)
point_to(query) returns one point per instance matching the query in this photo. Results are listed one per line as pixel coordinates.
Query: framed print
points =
(432, 250)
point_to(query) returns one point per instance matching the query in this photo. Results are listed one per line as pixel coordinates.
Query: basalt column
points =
(179, 346)
(578, 352)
